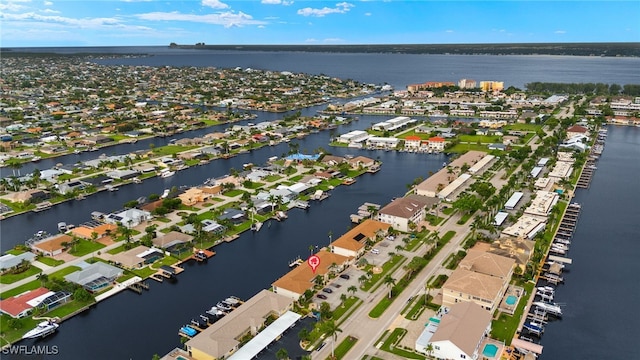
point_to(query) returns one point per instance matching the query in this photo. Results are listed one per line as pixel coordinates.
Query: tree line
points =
(584, 88)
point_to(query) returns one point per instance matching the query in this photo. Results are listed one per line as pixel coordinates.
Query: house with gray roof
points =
(95, 276)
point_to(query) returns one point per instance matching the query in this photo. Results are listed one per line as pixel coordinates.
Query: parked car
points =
(336, 285)
(345, 276)
(322, 296)
(375, 251)
(327, 290)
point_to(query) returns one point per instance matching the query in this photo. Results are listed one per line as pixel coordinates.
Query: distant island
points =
(630, 49)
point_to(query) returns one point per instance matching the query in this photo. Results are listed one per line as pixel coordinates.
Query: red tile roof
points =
(17, 304)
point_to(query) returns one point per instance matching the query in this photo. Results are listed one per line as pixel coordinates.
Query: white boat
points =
(43, 329)
(167, 173)
(551, 308)
(62, 227)
(546, 289)
(36, 158)
(165, 194)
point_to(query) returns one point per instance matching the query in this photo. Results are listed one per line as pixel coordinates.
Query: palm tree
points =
(390, 282)
(331, 330)
(352, 289)
(362, 279)
(43, 278)
(282, 354)
(272, 200)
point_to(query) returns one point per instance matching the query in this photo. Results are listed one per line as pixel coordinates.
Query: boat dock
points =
(364, 211)
(120, 287)
(201, 254)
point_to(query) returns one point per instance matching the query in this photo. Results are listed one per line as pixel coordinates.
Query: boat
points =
(534, 327)
(546, 289)
(42, 206)
(256, 226)
(215, 311)
(80, 197)
(348, 181)
(233, 300)
(551, 308)
(281, 215)
(188, 331)
(165, 194)
(36, 158)
(43, 329)
(111, 188)
(295, 262)
(62, 227)
(223, 306)
(167, 173)
(136, 180)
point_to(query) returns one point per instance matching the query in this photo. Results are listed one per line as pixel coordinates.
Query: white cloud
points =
(261, 26)
(271, 18)
(50, 11)
(448, 31)
(216, 4)
(311, 40)
(340, 8)
(333, 40)
(277, 2)
(48, 3)
(226, 19)
(559, 32)
(82, 23)
(367, 14)
(11, 6)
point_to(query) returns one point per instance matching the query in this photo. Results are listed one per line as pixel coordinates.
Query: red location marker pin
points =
(314, 262)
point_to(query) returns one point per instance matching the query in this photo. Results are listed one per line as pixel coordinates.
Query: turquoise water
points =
(511, 300)
(490, 350)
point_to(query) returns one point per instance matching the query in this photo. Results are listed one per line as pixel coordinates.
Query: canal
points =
(132, 326)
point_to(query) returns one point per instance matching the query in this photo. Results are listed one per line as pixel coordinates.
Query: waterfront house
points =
(128, 218)
(459, 334)
(481, 277)
(52, 246)
(361, 161)
(199, 194)
(402, 212)
(236, 216)
(95, 276)
(294, 283)
(22, 305)
(86, 232)
(135, 258)
(171, 239)
(577, 130)
(436, 144)
(353, 242)
(222, 339)
(70, 186)
(31, 196)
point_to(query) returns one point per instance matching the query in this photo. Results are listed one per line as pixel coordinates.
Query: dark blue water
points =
(602, 291)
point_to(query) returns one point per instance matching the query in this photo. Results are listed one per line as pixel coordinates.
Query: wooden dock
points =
(201, 254)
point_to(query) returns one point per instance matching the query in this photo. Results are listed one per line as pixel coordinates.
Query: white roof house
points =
(460, 333)
(129, 217)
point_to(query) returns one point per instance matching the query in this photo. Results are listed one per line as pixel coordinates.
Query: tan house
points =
(352, 243)
(294, 283)
(222, 339)
(199, 194)
(52, 246)
(481, 277)
(86, 232)
(171, 238)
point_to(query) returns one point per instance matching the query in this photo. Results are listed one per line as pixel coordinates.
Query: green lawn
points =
(463, 148)
(394, 338)
(522, 127)
(145, 272)
(64, 272)
(11, 278)
(417, 307)
(344, 308)
(117, 250)
(32, 285)
(11, 334)
(68, 308)
(171, 149)
(393, 263)
(167, 260)
(84, 247)
(50, 261)
(344, 347)
(485, 139)
(15, 252)
(504, 328)
(233, 193)
(272, 178)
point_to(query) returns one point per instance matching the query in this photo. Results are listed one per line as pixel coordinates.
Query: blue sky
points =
(150, 22)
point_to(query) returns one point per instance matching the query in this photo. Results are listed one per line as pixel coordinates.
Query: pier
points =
(120, 287)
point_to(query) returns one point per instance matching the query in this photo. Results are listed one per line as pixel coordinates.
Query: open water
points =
(600, 293)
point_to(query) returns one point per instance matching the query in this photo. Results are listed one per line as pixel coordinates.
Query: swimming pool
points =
(511, 300)
(490, 350)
